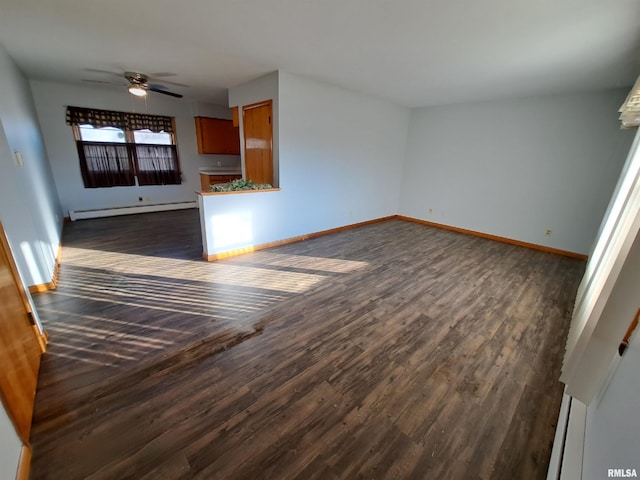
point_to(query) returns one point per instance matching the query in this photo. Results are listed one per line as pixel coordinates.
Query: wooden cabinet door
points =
(258, 142)
(20, 347)
(217, 136)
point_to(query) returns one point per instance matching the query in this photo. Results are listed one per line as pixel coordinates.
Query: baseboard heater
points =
(568, 445)
(112, 212)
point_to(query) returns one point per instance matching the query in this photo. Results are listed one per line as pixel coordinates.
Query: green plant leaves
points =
(238, 185)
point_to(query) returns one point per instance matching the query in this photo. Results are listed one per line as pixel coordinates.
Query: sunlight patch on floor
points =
(96, 333)
(79, 359)
(165, 308)
(332, 265)
(223, 273)
(177, 299)
(102, 320)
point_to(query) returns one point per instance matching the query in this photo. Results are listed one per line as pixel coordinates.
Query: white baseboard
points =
(572, 458)
(568, 445)
(555, 462)
(112, 212)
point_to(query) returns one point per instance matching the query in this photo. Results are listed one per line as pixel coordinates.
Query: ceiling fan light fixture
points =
(137, 90)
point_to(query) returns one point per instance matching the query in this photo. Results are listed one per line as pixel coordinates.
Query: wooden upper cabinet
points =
(235, 117)
(216, 135)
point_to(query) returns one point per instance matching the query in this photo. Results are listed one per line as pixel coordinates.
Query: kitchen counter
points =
(221, 170)
(212, 176)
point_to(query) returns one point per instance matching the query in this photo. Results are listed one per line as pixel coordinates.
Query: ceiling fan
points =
(138, 83)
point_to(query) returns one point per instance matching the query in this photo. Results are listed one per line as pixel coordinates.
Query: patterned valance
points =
(124, 120)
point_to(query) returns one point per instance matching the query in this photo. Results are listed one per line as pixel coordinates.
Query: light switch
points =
(19, 159)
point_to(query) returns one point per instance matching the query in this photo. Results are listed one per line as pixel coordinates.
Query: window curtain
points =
(124, 120)
(157, 165)
(105, 164)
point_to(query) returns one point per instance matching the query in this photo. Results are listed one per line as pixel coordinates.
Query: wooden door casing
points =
(20, 345)
(258, 142)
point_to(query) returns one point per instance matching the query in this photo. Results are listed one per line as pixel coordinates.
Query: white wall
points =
(517, 167)
(612, 435)
(612, 427)
(341, 154)
(10, 447)
(29, 205)
(341, 158)
(51, 100)
(236, 221)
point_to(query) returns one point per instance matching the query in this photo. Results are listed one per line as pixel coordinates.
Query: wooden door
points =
(20, 345)
(258, 142)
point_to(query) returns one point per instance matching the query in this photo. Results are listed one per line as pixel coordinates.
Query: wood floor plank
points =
(394, 350)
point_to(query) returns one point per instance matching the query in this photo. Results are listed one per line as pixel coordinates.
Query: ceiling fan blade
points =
(164, 92)
(164, 80)
(97, 70)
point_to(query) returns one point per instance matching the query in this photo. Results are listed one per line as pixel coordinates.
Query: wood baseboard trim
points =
(497, 238)
(43, 287)
(24, 464)
(286, 241)
(308, 236)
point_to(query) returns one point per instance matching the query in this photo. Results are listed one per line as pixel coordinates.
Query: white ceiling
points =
(413, 52)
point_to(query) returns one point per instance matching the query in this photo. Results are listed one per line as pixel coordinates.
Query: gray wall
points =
(29, 206)
(341, 154)
(517, 167)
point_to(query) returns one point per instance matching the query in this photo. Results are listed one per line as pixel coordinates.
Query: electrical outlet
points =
(430, 211)
(548, 233)
(219, 163)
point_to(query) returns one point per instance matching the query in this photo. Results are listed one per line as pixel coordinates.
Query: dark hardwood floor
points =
(393, 350)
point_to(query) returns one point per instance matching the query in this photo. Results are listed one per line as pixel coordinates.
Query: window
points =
(118, 148)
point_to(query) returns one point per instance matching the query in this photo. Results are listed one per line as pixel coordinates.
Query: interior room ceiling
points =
(412, 52)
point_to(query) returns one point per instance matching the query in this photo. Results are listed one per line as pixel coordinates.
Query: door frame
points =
(41, 336)
(251, 106)
(24, 461)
